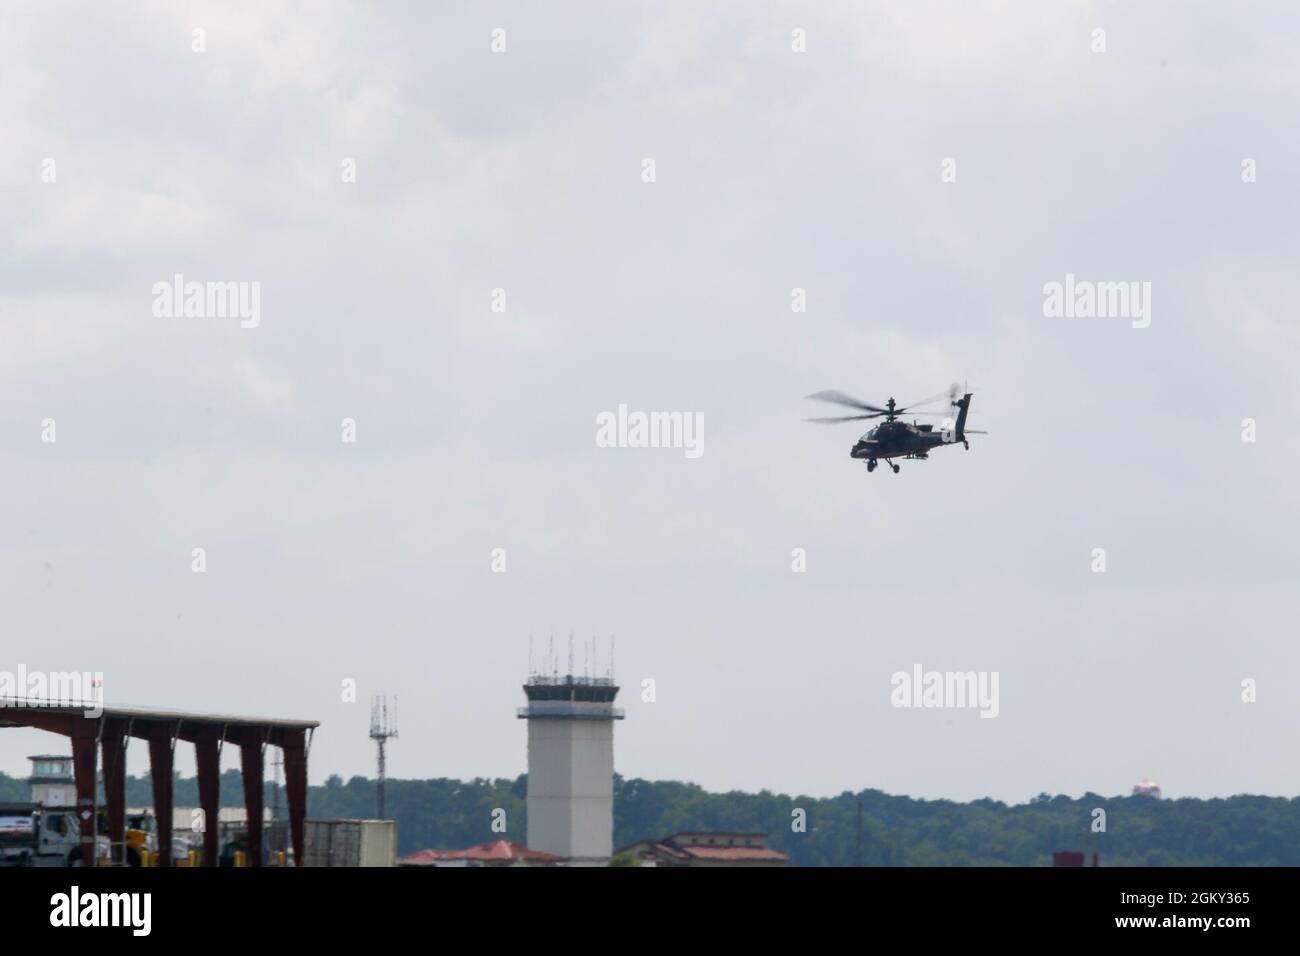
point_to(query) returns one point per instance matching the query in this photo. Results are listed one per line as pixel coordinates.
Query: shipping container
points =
(350, 843)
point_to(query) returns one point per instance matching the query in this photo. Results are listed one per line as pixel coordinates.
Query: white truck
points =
(33, 835)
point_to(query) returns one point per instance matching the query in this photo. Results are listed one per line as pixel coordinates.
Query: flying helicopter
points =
(893, 438)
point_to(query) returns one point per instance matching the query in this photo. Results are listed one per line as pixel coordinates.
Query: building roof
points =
(423, 858)
(496, 851)
(686, 849)
(77, 709)
(504, 851)
(735, 854)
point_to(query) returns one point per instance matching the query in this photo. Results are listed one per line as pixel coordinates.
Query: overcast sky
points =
(523, 170)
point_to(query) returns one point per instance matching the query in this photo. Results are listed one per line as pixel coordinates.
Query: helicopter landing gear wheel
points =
(871, 465)
(895, 467)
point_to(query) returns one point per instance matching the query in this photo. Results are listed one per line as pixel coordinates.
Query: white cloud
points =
(263, 388)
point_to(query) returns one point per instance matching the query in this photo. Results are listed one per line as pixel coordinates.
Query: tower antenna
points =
(382, 727)
(278, 833)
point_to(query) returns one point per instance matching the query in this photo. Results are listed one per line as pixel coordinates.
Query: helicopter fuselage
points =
(901, 440)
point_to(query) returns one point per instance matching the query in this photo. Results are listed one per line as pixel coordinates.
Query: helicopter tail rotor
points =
(963, 408)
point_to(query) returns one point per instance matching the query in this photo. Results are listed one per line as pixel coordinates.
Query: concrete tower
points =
(571, 765)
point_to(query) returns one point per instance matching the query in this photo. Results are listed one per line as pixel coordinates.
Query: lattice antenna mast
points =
(383, 725)
(279, 831)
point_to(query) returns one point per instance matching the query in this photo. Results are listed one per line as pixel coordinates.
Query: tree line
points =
(819, 831)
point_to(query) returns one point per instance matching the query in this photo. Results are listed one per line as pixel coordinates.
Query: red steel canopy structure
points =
(110, 728)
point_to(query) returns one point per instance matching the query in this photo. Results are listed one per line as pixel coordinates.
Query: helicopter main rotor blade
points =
(839, 398)
(951, 395)
(924, 401)
(834, 421)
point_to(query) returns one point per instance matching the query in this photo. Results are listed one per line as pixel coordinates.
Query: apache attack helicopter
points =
(895, 439)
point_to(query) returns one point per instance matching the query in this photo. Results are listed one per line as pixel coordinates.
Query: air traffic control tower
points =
(571, 765)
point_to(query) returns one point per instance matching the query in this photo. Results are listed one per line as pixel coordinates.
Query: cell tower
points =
(382, 726)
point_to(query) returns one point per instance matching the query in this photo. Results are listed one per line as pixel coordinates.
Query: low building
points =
(495, 853)
(1146, 788)
(52, 783)
(706, 849)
